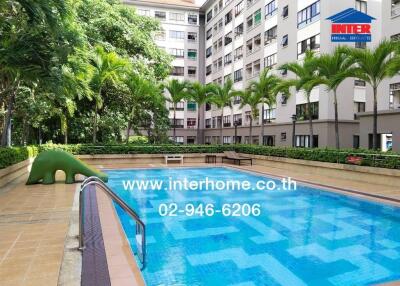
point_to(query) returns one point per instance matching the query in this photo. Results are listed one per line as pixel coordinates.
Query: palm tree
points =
(252, 99)
(177, 91)
(201, 95)
(221, 97)
(333, 70)
(105, 66)
(265, 86)
(306, 80)
(373, 66)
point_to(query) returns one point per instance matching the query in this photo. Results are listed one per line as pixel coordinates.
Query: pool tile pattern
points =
(303, 237)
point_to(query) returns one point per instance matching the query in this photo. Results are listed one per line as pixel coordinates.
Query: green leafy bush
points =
(9, 156)
(14, 155)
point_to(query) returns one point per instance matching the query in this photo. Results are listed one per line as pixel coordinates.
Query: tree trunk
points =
(336, 120)
(128, 131)
(375, 124)
(5, 140)
(95, 124)
(310, 122)
(174, 135)
(66, 131)
(220, 128)
(262, 125)
(198, 127)
(251, 130)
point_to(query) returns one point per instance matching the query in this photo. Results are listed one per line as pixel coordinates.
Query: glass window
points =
(312, 43)
(228, 59)
(239, 30)
(208, 52)
(209, 15)
(228, 38)
(192, 71)
(177, 17)
(285, 40)
(257, 17)
(191, 106)
(270, 8)
(160, 15)
(192, 36)
(180, 35)
(239, 8)
(143, 12)
(308, 14)
(178, 71)
(192, 54)
(270, 35)
(209, 33)
(238, 53)
(302, 111)
(270, 61)
(361, 6)
(208, 69)
(178, 53)
(192, 19)
(237, 76)
(285, 11)
(228, 17)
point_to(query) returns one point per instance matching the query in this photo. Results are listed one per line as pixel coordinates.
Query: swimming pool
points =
(302, 237)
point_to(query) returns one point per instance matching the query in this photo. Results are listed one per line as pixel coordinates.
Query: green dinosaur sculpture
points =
(48, 162)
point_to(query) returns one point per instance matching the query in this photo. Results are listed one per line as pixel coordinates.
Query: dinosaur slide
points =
(48, 162)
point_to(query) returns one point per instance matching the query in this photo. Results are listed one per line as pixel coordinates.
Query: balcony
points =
(227, 124)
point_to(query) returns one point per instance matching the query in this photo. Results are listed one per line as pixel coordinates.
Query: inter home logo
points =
(351, 25)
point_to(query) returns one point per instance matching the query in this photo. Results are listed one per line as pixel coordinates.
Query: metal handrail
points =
(140, 226)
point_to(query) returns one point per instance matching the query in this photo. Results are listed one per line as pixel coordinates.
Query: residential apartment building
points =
(239, 38)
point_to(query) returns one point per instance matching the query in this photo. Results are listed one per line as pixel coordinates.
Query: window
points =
(359, 82)
(220, 64)
(192, 37)
(239, 8)
(190, 139)
(285, 41)
(228, 38)
(209, 16)
(239, 30)
(143, 12)
(192, 54)
(269, 114)
(208, 123)
(209, 34)
(270, 8)
(360, 45)
(180, 35)
(208, 106)
(237, 75)
(227, 121)
(208, 69)
(249, 70)
(249, 46)
(257, 17)
(192, 19)
(270, 35)
(308, 44)
(285, 11)
(160, 15)
(191, 122)
(179, 106)
(356, 141)
(284, 98)
(238, 53)
(228, 59)
(303, 141)
(177, 53)
(302, 111)
(227, 139)
(208, 139)
(270, 61)
(228, 17)
(208, 52)
(394, 90)
(220, 24)
(237, 118)
(178, 139)
(283, 136)
(249, 22)
(237, 100)
(395, 37)
(257, 42)
(220, 44)
(308, 15)
(178, 71)
(360, 106)
(247, 116)
(177, 16)
(160, 36)
(192, 71)
(361, 6)
(178, 122)
(256, 67)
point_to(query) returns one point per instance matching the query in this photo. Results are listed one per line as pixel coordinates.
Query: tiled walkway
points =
(33, 224)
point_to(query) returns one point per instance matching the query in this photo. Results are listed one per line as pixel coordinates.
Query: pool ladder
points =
(140, 236)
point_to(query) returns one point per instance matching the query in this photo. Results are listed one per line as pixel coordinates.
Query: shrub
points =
(13, 155)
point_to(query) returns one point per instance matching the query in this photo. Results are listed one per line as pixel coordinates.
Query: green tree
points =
(334, 69)
(265, 87)
(178, 91)
(252, 99)
(373, 66)
(306, 79)
(221, 97)
(105, 66)
(201, 94)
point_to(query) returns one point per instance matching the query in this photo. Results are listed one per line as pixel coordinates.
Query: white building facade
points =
(237, 39)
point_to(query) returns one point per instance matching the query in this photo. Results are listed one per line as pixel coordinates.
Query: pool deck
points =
(35, 220)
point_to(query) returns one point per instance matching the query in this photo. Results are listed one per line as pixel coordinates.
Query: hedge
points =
(13, 155)
(9, 156)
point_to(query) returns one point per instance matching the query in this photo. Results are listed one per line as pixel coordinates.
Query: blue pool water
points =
(302, 237)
